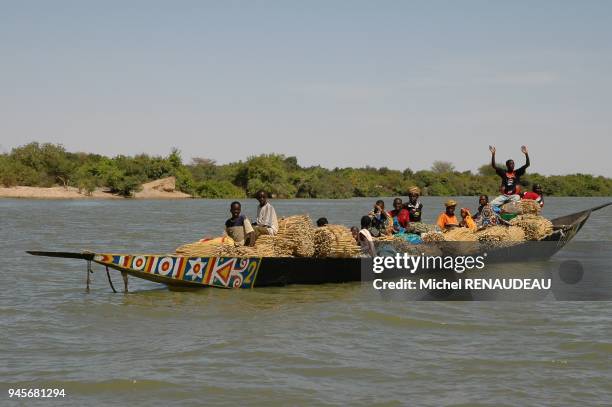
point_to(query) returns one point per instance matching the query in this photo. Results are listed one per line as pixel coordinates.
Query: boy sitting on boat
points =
(238, 227)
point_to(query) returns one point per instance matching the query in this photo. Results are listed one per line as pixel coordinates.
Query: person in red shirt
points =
(535, 194)
(400, 216)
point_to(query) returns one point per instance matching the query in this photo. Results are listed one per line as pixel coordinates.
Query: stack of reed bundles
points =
(534, 227)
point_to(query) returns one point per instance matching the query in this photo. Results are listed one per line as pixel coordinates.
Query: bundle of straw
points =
(529, 207)
(271, 246)
(239, 251)
(459, 241)
(296, 235)
(323, 242)
(535, 227)
(497, 237)
(492, 234)
(208, 248)
(515, 234)
(343, 244)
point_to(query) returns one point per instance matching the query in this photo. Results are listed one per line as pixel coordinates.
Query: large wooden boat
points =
(233, 272)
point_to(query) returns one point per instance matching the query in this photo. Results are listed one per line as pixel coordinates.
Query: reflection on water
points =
(284, 345)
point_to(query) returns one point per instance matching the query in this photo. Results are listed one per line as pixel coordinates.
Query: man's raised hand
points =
(492, 149)
(524, 149)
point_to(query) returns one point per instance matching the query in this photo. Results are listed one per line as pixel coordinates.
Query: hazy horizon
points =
(397, 85)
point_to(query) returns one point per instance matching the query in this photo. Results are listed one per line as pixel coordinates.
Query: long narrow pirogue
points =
(249, 272)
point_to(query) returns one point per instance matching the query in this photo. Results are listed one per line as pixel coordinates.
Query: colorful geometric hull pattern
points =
(225, 272)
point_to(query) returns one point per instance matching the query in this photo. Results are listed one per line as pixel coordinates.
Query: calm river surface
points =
(330, 344)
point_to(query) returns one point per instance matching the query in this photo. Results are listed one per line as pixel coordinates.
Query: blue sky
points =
(390, 83)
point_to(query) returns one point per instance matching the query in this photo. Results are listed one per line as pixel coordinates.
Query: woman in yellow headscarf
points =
(467, 221)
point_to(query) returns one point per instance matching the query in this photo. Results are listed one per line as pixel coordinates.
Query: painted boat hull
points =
(232, 272)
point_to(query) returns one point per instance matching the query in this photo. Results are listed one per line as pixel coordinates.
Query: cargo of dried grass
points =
(271, 246)
(497, 237)
(296, 235)
(209, 248)
(535, 227)
(335, 241)
(240, 251)
(515, 234)
(529, 207)
(459, 241)
(323, 242)
(492, 234)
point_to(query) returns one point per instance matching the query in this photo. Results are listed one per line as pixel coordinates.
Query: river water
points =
(329, 344)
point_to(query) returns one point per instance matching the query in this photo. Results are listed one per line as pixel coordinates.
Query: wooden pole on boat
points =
(89, 271)
(125, 281)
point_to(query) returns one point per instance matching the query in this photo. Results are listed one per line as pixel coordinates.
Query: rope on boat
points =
(109, 280)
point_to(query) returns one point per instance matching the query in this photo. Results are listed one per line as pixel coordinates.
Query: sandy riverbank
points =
(159, 189)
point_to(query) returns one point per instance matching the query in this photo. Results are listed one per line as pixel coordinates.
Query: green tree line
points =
(46, 165)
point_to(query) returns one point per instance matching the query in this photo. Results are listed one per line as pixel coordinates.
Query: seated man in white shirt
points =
(266, 222)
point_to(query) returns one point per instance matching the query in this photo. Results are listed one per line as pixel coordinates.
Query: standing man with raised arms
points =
(510, 178)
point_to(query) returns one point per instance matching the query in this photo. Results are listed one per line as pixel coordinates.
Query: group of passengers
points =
(240, 228)
(405, 217)
(402, 218)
